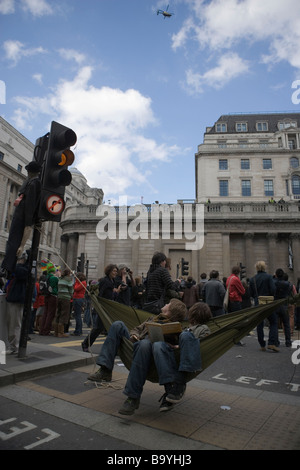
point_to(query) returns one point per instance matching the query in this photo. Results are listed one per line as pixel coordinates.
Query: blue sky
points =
(139, 90)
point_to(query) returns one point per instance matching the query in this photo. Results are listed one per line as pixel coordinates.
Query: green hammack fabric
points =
(226, 330)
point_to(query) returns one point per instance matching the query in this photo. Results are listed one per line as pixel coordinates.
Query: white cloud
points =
(38, 77)
(7, 7)
(112, 150)
(71, 54)
(37, 7)
(16, 50)
(220, 25)
(230, 66)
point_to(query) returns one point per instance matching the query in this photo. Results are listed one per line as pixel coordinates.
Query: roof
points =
(271, 118)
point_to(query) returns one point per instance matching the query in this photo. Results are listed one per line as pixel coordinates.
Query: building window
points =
(223, 164)
(268, 187)
(245, 164)
(267, 163)
(221, 127)
(223, 188)
(286, 124)
(262, 126)
(222, 144)
(246, 188)
(291, 143)
(296, 185)
(263, 143)
(294, 162)
(243, 144)
(19, 168)
(1, 156)
(241, 127)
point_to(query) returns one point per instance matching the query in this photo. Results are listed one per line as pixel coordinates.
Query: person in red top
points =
(79, 302)
(37, 309)
(236, 290)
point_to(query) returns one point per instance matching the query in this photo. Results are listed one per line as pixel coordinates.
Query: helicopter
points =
(165, 13)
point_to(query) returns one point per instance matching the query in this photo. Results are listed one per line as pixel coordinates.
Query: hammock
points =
(226, 330)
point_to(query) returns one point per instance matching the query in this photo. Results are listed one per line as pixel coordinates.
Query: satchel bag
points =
(226, 298)
(265, 299)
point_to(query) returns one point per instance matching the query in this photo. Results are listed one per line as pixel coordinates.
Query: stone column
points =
(249, 261)
(72, 250)
(271, 261)
(64, 250)
(295, 239)
(226, 255)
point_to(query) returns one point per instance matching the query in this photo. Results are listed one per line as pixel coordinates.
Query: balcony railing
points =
(224, 210)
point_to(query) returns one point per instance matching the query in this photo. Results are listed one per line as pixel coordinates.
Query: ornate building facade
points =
(243, 162)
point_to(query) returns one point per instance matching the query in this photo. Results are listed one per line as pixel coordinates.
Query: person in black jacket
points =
(262, 284)
(283, 291)
(15, 298)
(157, 283)
(25, 215)
(108, 290)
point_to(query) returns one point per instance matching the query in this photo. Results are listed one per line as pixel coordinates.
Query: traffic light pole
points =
(31, 279)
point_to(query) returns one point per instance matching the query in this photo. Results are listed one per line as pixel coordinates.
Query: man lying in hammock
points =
(142, 353)
(172, 376)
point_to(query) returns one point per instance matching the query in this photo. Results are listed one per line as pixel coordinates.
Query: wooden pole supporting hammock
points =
(226, 330)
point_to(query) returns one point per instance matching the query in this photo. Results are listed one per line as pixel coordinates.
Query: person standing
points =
(213, 294)
(25, 215)
(15, 299)
(283, 291)
(79, 302)
(106, 289)
(263, 284)
(157, 283)
(64, 296)
(125, 282)
(190, 293)
(236, 290)
(50, 301)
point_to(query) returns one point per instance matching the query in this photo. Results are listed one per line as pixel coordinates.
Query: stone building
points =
(244, 161)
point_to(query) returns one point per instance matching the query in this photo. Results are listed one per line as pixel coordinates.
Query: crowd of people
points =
(62, 296)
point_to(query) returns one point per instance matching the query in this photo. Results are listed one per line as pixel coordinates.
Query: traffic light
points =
(55, 174)
(80, 263)
(184, 267)
(242, 271)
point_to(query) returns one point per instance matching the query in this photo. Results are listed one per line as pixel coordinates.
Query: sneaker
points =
(165, 405)
(129, 406)
(84, 347)
(176, 392)
(102, 375)
(273, 348)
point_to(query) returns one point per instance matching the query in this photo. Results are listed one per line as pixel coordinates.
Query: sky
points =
(139, 89)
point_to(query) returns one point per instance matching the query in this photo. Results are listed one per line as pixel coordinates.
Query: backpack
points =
(44, 286)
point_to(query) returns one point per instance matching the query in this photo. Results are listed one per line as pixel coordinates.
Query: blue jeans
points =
(109, 350)
(78, 305)
(273, 331)
(165, 360)
(283, 314)
(142, 355)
